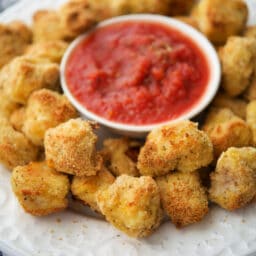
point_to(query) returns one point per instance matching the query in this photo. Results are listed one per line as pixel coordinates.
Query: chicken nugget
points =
(25, 74)
(219, 19)
(51, 50)
(14, 38)
(250, 32)
(85, 188)
(17, 118)
(15, 148)
(237, 58)
(188, 20)
(251, 118)
(45, 109)
(76, 16)
(40, 189)
(233, 183)
(237, 106)
(178, 146)
(71, 148)
(122, 156)
(132, 205)
(226, 130)
(6, 106)
(180, 7)
(47, 26)
(183, 197)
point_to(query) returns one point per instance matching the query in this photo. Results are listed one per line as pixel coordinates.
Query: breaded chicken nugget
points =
(237, 106)
(40, 189)
(132, 205)
(51, 50)
(14, 38)
(219, 19)
(183, 197)
(233, 184)
(226, 130)
(250, 32)
(6, 105)
(47, 26)
(76, 16)
(122, 156)
(15, 148)
(237, 59)
(251, 118)
(70, 148)
(17, 118)
(180, 7)
(25, 74)
(45, 109)
(85, 188)
(179, 146)
(188, 20)
(250, 92)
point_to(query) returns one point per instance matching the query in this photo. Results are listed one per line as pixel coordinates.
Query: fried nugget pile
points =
(52, 152)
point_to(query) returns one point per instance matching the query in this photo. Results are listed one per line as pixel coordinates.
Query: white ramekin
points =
(141, 130)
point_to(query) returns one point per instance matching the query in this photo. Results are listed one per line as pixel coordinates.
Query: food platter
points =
(71, 233)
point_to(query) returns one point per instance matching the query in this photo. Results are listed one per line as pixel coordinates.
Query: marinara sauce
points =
(137, 73)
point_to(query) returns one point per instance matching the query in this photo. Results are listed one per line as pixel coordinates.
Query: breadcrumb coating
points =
(17, 118)
(179, 146)
(251, 118)
(15, 148)
(122, 156)
(25, 74)
(85, 188)
(40, 189)
(45, 109)
(183, 197)
(219, 19)
(226, 130)
(6, 105)
(132, 205)
(233, 184)
(71, 148)
(237, 58)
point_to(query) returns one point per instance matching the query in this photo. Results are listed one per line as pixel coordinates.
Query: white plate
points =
(72, 234)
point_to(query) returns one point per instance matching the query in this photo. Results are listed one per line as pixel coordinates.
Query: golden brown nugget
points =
(233, 184)
(85, 188)
(122, 156)
(183, 198)
(27, 74)
(51, 50)
(178, 146)
(219, 19)
(6, 105)
(14, 38)
(226, 130)
(76, 17)
(47, 26)
(132, 205)
(188, 20)
(237, 106)
(250, 92)
(180, 7)
(15, 148)
(250, 32)
(70, 148)
(17, 118)
(45, 109)
(40, 189)
(237, 58)
(251, 118)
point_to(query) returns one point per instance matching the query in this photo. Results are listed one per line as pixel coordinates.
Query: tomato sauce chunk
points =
(137, 73)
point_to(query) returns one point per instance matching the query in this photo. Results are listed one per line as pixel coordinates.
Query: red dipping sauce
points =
(137, 73)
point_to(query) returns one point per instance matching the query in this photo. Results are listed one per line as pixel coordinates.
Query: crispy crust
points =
(70, 148)
(132, 205)
(251, 118)
(45, 109)
(17, 118)
(183, 198)
(233, 182)
(179, 146)
(226, 130)
(40, 189)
